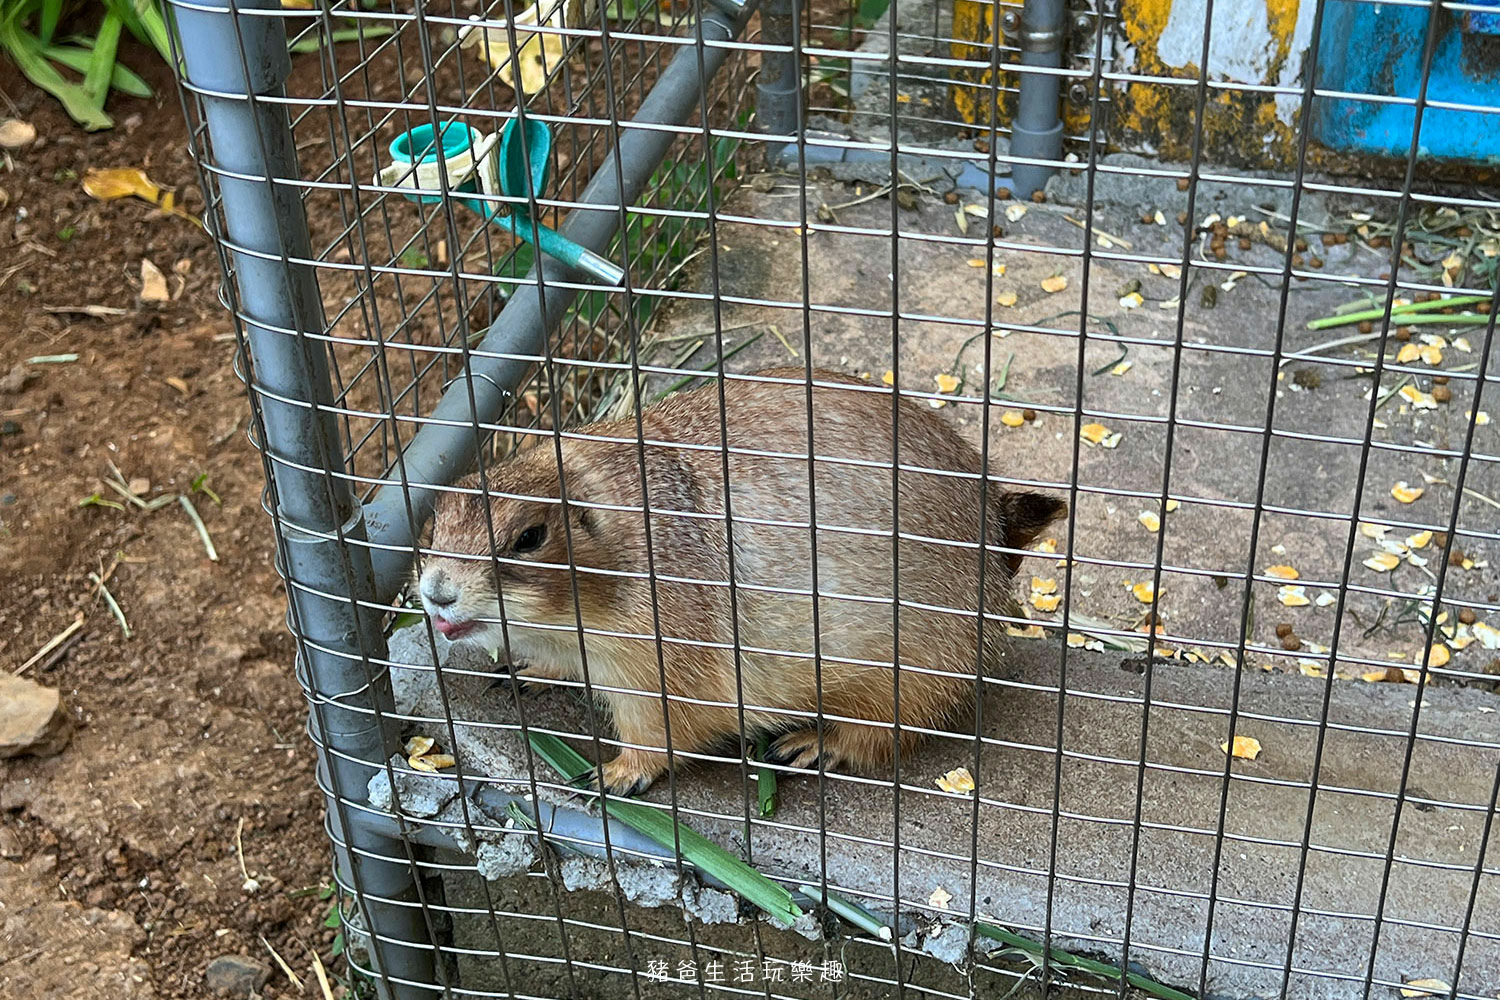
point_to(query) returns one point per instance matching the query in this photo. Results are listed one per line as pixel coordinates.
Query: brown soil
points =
(120, 874)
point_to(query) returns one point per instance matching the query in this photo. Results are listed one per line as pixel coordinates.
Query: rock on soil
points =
(236, 975)
(32, 719)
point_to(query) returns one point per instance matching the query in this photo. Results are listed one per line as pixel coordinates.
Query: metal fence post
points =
(236, 56)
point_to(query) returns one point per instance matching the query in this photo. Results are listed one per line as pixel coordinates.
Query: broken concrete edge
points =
(645, 873)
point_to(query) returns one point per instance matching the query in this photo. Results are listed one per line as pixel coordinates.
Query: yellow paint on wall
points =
(1240, 128)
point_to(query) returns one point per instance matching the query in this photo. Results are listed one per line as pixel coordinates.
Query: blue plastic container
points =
(1376, 48)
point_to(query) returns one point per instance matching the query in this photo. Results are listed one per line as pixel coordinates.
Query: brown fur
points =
(939, 584)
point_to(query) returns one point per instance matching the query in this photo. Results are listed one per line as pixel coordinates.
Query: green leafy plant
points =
(80, 71)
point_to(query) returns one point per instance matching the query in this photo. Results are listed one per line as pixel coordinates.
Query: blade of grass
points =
(849, 910)
(342, 35)
(144, 20)
(710, 371)
(192, 513)
(1089, 965)
(122, 78)
(114, 605)
(765, 781)
(1404, 314)
(704, 854)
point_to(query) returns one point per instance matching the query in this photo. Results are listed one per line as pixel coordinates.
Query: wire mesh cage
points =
(932, 498)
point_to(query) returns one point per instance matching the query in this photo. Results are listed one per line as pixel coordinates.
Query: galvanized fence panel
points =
(1219, 275)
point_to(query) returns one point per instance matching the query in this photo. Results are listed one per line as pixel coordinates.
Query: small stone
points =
(951, 197)
(1291, 643)
(13, 381)
(237, 975)
(32, 719)
(1028, 415)
(1403, 333)
(1038, 196)
(1002, 192)
(1467, 616)
(1439, 380)
(1442, 393)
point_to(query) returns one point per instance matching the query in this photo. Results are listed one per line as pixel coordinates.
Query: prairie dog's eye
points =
(531, 539)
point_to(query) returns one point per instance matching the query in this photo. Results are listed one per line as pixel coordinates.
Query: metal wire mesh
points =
(1283, 536)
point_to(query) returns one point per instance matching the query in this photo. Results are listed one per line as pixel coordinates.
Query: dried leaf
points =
(1283, 572)
(958, 780)
(1012, 418)
(432, 762)
(130, 182)
(1144, 593)
(1149, 521)
(539, 52)
(947, 383)
(153, 283)
(1054, 284)
(1383, 562)
(1405, 493)
(15, 133)
(1293, 596)
(1245, 747)
(1006, 299)
(120, 182)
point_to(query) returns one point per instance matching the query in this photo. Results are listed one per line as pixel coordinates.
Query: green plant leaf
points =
(122, 78)
(49, 14)
(101, 65)
(703, 853)
(24, 48)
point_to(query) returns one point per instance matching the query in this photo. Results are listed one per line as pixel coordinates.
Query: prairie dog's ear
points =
(1024, 516)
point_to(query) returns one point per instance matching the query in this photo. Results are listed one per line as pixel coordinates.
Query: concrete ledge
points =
(864, 848)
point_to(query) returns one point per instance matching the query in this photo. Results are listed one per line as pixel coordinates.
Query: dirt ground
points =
(121, 870)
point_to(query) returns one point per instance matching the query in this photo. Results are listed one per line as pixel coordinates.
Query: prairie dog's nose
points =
(438, 587)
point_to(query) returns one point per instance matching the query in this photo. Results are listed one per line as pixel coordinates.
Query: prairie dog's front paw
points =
(631, 773)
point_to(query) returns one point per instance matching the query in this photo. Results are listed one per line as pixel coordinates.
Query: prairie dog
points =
(938, 577)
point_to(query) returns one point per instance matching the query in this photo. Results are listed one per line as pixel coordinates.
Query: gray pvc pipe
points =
(446, 448)
(778, 89)
(229, 56)
(1037, 131)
